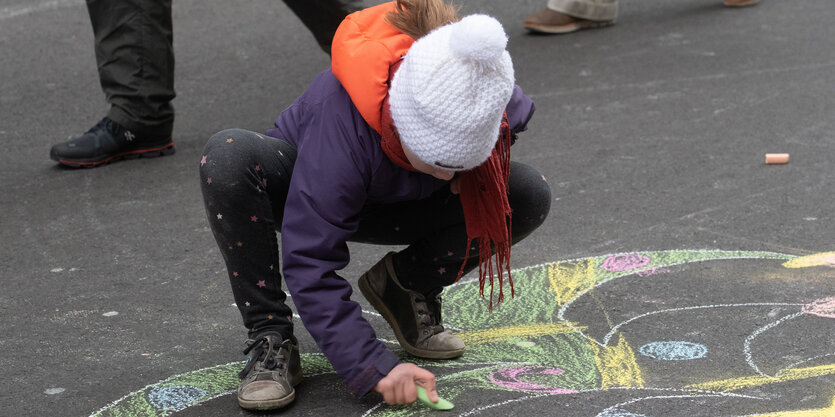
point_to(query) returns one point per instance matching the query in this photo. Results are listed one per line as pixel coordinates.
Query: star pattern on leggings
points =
(261, 284)
(253, 219)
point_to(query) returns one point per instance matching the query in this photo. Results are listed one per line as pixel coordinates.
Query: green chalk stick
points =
(442, 404)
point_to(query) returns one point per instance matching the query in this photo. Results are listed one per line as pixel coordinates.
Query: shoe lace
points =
(428, 308)
(108, 124)
(266, 352)
(102, 124)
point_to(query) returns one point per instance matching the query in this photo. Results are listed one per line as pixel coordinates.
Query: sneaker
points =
(740, 3)
(271, 372)
(554, 22)
(414, 317)
(108, 141)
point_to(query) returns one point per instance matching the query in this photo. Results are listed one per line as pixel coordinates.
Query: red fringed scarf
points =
(483, 198)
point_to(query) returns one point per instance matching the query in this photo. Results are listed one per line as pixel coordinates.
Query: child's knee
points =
(540, 201)
(225, 137)
(542, 194)
(530, 196)
(227, 149)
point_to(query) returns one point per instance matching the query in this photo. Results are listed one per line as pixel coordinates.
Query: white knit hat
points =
(449, 94)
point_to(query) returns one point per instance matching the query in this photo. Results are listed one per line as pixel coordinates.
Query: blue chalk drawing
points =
(674, 350)
(175, 397)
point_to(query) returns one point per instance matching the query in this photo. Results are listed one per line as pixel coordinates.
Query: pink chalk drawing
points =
(511, 378)
(824, 307)
(624, 262)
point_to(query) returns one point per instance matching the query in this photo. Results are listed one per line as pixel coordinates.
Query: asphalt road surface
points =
(676, 275)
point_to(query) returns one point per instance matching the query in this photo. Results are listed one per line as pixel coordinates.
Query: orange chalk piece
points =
(776, 158)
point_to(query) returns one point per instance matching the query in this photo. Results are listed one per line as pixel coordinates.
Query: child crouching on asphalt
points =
(404, 141)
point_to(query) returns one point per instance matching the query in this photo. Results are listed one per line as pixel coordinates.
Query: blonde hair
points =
(417, 18)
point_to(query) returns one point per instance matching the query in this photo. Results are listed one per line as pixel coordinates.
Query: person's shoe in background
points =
(740, 3)
(108, 141)
(554, 22)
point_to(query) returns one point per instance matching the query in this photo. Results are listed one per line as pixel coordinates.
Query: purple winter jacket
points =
(341, 167)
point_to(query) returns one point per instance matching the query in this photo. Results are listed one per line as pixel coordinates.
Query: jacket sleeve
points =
(327, 191)
(520, 109)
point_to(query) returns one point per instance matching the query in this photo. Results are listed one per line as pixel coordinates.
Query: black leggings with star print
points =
(244, 214)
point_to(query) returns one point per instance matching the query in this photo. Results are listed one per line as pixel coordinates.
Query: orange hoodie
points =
(364, 47)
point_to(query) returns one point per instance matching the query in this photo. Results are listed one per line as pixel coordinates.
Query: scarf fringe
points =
(486, 269)
(494, 238)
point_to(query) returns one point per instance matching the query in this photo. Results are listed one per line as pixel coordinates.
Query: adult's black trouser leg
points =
(134, 47)
(322, 17)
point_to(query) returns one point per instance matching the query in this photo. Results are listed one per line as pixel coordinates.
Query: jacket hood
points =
(364, 48)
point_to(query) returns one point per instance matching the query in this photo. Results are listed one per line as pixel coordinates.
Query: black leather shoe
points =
(108, 141)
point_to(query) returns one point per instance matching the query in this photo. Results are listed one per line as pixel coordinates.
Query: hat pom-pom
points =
(479, 37)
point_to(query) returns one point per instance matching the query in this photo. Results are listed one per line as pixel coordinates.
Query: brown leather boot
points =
(554, 22)
(271, 373)
(414, 317)
(740, 3)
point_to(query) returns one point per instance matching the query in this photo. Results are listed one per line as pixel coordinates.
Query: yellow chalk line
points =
(479, 337)
(733, 384)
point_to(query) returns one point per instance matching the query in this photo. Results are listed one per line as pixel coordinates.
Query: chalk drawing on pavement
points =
(571, 329)
(673, 350)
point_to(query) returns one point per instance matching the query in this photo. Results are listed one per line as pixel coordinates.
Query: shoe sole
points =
(377, 303)
(743, 4)
(167, 149)
(271, 404)
(267, 405)
(573, 27)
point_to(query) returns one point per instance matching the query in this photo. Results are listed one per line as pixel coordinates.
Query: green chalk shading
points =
(442, 404)
(508, 352)
(464, 308)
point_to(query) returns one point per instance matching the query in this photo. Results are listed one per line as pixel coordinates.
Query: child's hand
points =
(398, 387)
